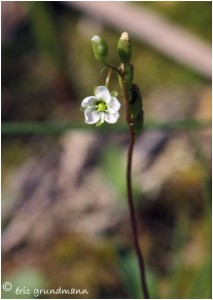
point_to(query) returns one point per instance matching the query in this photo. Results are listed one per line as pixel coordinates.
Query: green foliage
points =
(129, 272)
(113, 167)
(191, 283)
(45, 33)
(201, 281)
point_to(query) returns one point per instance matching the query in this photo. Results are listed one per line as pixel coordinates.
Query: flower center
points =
(101, 105)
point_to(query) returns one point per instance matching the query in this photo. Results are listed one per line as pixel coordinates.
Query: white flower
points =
(101, 107)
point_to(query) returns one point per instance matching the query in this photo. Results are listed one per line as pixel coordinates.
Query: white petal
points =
(111, 118)
(101, 121)
(103, 93)
(114, 104)
(88, 101)
(110, 110)
(91, 116)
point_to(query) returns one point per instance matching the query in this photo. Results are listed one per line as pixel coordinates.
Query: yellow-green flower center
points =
(101, 105)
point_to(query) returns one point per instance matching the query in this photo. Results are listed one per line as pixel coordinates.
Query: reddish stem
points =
(129, 192)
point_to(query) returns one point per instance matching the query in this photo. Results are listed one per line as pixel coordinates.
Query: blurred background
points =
(65, 218)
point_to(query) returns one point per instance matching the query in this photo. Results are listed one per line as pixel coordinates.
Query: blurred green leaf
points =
(200, 285)
(129, 271)
(44, 31)
(130, 275)
(113, 166)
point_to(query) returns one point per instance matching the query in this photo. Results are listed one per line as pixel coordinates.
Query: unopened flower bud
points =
(124, 48)
(100, 48)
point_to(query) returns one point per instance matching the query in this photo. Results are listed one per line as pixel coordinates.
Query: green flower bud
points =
(124, 48)
(100, 48)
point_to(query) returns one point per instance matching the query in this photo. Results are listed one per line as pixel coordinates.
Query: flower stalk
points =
(133, 107)
(109, 75)
(129, 190)
(104, 106)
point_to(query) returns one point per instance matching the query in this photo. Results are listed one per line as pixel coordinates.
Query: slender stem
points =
(109, 74)
(129, 193)
(113, 68)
